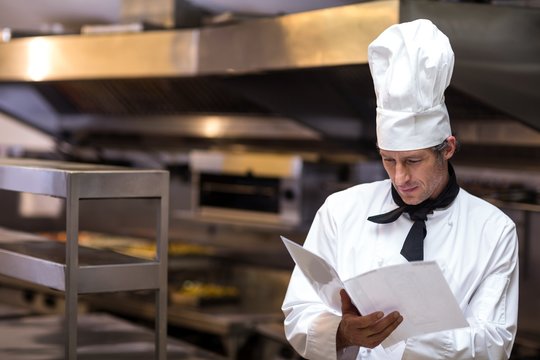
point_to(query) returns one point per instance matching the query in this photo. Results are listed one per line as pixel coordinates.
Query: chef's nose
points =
(401, 177)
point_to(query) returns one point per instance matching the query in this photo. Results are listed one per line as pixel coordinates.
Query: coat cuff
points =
(322, 339)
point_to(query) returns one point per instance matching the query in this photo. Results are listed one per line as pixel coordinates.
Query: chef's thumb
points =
(347, 307)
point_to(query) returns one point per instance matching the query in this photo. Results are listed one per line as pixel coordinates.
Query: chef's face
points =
(418, 175)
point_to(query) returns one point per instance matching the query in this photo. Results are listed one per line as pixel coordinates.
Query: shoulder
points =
(481, 210)
(488, 234)
(362, 195)
(371, 189)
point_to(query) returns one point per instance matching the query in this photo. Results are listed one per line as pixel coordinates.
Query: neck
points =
(444, 182)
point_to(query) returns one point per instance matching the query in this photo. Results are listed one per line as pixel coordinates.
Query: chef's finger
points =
(347, 307)
(376, 339)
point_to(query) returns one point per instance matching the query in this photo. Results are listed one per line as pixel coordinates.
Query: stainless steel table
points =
(101, 336)
(231, 324)
(74, 269)
(9, 311)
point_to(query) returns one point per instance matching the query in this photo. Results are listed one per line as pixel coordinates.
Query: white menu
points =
(418, 290)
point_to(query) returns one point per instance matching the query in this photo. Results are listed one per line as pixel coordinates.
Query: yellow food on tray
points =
(133, 246)
(199, 293)
(148, 250)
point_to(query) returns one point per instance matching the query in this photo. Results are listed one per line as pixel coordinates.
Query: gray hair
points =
(440, 148)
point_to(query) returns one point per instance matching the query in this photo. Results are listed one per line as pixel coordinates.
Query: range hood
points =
(298, 81)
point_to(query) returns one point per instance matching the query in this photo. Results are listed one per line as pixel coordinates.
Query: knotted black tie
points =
(413, 247)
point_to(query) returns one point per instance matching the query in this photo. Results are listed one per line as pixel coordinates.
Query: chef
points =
(419, 213)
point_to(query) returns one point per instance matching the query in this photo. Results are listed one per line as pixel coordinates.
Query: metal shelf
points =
(43, 263)
(86, 181)
(75, 269)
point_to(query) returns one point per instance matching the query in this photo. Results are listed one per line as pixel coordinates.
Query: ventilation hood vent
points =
(297, 81)
(497, 52)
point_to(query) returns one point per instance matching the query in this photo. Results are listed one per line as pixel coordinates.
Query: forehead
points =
(406, 154)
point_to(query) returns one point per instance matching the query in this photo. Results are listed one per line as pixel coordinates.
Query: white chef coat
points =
(474, 243)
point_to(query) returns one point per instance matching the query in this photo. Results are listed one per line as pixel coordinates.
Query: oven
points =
(262, 188)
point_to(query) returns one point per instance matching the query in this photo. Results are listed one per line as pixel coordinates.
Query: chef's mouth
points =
(406, 190)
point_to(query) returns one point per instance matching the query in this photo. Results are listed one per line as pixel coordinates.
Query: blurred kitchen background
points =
(259, 110)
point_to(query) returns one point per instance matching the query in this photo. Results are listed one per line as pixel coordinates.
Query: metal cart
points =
(74, 269)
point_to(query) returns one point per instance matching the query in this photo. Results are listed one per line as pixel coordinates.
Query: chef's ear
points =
(451, 147)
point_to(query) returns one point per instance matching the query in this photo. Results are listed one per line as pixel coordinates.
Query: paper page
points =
(320, 274)
(418, 290)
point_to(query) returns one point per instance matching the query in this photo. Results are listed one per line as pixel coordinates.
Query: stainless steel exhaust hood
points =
(497, 52)
(297, 81)
(69, 85)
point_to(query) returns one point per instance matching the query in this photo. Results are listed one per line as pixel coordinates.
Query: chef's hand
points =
(366, 331)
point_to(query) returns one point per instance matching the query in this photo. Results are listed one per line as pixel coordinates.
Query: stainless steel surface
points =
(10, 311)
(51, 16)
(298, 40)
(495, 132)
(76, 182)
(102, 336)
(194, 72)
(222, 321)
(44, 262)
(71, 15)
(149, 54)
(35, 299)
(501, 174)
(233, 328)
(242, 163)
(496, 56)
(162, 237)
(275, 7)
(57, 178)
(301, 40)
(72, 269)
(298, 82)
(235, 177)
(200, 126)
(261, 294)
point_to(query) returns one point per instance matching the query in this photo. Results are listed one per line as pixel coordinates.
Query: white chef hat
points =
(411, 65)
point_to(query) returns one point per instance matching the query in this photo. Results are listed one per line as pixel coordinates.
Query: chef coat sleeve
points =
(491, 313)
(310, 324)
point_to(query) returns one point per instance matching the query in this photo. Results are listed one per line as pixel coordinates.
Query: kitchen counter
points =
(101, 336)
(230, 323)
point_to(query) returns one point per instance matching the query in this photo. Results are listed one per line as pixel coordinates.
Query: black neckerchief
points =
(413, 247)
